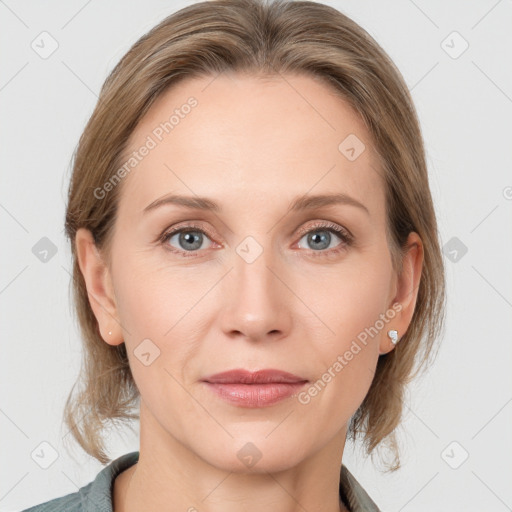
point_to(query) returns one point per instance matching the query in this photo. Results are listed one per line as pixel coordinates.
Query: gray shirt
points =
(97, 495)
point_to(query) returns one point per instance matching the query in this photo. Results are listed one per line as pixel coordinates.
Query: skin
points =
(251, 145)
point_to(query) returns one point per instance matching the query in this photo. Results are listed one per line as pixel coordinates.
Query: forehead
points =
(276, 138)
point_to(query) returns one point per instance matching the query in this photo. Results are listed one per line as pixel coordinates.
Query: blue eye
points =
(319, 236)
(188, 240)
(320, 239)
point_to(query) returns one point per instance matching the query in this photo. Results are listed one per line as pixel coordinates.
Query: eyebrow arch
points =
(305, 202)
(310, 202)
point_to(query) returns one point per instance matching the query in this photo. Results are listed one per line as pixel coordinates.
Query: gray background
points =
(464, 102)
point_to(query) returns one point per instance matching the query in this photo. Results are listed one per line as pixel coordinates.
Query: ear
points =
(406, 292)
(99, 287)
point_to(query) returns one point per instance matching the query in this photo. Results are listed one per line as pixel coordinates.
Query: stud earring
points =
(393, 335)
(110, 332)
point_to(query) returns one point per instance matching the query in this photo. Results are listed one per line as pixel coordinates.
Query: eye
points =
(320, 238)
(189, 239)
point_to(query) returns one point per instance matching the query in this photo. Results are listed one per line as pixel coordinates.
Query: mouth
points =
(262, 388)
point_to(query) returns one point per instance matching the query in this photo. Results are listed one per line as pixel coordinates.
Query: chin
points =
(256, 454)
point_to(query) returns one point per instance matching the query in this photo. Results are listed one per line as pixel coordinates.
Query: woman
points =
(227, 143)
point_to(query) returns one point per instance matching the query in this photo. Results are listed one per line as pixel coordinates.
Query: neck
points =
(169, 476)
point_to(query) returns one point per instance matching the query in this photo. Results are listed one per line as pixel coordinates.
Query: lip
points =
(254, 389)
(241, 376)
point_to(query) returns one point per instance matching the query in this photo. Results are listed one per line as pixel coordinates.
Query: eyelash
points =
(343, 234)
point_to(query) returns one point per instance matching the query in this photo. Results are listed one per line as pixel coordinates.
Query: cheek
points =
(351, 301)
(349, 298)
(151, 295)
(346, 357)
(153, 312)
(158, 303)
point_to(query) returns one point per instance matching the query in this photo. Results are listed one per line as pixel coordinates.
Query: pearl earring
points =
(110, 332)
(393, 335)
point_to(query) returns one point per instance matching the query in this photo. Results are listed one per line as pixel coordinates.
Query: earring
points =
(393, 335)
(110, 332)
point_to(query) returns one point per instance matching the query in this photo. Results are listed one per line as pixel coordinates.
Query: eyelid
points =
(326, 224)
(188, 226)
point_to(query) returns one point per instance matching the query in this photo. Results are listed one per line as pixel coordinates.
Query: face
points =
(268, 279)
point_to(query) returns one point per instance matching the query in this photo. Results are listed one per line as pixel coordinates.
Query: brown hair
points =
(266, 39)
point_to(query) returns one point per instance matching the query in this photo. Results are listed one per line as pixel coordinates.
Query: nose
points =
(256, 303)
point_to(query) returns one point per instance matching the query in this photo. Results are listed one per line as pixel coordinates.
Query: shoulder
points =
(74, 502)
(95, 496)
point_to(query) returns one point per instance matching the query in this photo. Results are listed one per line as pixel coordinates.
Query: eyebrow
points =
(305, 202)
